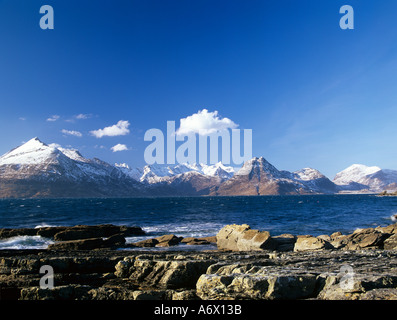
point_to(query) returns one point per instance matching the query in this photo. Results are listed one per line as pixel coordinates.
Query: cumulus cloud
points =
(204, 123)
(119, 147)
(53, 118)
(72, 133)
(119, 129)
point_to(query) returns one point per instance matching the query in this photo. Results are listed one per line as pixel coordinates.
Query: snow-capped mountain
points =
(156, 173)
(38, 169)
(315, 181)
(181, 179)
(258, 177)
(361, 177)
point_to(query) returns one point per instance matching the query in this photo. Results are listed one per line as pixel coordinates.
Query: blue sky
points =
(313, 94)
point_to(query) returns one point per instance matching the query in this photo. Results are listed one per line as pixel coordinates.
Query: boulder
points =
(365, 239)
(339, 242)
(390, 243)
(148, 243)
(227, 237)
(167, 240)
(243, 238)
(255, 240)
(310, 243)
(389, 229)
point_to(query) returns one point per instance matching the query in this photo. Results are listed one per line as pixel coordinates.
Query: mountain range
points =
(38, 170)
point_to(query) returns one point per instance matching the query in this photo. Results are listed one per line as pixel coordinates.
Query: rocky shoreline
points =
(245, 264)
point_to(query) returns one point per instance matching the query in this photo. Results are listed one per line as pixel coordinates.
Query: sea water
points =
(199, 216)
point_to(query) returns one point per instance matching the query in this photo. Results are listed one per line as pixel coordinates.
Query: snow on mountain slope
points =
(258, 177)
(36, 169)
(360, 177)
(161, 172)
(73, 154)
(41, 161)
(134, 173)
(307, 174)
(256, 165)
(30, 153)
(354, 173)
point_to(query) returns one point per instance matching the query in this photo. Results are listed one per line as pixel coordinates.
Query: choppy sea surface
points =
(199, 216)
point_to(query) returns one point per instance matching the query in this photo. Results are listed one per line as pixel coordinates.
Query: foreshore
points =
(245, 264)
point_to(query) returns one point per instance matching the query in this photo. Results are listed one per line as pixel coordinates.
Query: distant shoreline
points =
(202, 196)
(387, 194)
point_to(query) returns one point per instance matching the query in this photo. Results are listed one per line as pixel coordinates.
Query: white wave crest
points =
(25, 242)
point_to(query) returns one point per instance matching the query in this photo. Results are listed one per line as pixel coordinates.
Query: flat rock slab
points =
(215, 275)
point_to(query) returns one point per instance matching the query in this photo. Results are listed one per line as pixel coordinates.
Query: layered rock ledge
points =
(123, 275)
(249, 264)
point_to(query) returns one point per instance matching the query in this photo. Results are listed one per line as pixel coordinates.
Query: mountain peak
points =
(363, 167)
(354, 173)
(258, 164)
(31, 152)
(307, 174)
(34, 142)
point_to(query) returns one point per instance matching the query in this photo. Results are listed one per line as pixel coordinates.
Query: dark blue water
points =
(203, 216)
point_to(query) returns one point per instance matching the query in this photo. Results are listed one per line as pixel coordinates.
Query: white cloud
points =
(72, 133)
(83, 116)
(22, 118)
(119, 147)
(119, 129)
(55, 145)
(204, 123)
(53, 118)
